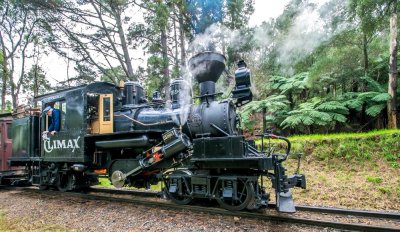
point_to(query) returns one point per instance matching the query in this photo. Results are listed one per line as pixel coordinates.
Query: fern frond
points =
(354, 104)
(372, 84)
(375, 110)
(382, 97)
(333, 106)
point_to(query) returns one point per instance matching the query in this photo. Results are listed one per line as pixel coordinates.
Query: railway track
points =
(142, 198)
(327, 210)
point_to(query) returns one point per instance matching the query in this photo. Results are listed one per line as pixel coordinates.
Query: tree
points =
(93, 30)
(163, 35)
(275, 107)
(316, 112)
(35, 83)
(17, 28)
(204, 13)
(236, 17)
(392, 88)
(295, 85)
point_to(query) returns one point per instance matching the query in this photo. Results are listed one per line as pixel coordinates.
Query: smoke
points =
(312, 27)
(316, 23)
(185, 96)
(214, 38)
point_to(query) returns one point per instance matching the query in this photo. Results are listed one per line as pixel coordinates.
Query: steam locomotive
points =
(196, 150)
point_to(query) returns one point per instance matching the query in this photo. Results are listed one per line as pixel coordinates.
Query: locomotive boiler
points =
(196, 150)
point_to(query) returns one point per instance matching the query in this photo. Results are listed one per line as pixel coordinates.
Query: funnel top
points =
(207, 66)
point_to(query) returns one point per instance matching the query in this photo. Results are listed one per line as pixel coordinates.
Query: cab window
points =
(60, 105)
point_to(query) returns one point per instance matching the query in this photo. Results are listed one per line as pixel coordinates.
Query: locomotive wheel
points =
(65, 182)
(245, 194)
(178, 199)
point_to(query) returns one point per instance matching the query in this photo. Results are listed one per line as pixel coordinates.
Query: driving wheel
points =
(244, 195)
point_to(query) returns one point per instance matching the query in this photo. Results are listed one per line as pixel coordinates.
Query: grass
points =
(358, 170)
(345, 135)
(352, 146)
(105, 182)
(374, 179)
(21, 225)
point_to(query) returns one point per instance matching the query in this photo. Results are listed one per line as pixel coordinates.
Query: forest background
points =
(317, 68)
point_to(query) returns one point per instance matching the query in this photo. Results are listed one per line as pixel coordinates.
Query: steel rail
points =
(354, 212)
(328, 210)
(219, 211)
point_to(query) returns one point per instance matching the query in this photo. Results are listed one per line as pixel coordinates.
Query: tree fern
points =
(293, 83)
(381, 97)
(375, 109)
(273, 104)
(374, 100)
(316, 112)
(372, 84)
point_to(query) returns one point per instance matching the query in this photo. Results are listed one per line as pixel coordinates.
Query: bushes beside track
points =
(384, 144)
(357, 170)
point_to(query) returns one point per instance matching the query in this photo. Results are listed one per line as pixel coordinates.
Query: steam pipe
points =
(143, 124)
(219, 129)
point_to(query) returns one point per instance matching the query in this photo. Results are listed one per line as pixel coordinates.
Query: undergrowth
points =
(358, 170)
(359, 147)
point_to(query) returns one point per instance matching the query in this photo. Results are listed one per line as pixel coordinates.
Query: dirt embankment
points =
(350, 170)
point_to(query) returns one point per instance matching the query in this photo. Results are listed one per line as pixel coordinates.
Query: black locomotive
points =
(195, 149)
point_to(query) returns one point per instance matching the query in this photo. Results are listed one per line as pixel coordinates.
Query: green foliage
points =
(385, 190)
(374, 146)
(154, 81)
(275, 105)
(339, 85)
(295, 83)
(374, 100)
(316, 112)
(237, 13)
(114, 75)
(35, 82)
(374, 179)
(104, 182)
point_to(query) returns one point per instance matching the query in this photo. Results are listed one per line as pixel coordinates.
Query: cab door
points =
(2, 146)
(5, 145)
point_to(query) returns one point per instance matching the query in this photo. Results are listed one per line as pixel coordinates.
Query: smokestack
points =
(206, 67)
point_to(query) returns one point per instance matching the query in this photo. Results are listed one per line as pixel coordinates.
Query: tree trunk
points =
(5, 75)
(36, 86)
(182, 37)
(14, 96)
(291, 101)
(176, 60)
(124, 45)
(264, 122)
(165, 70)
(392, 103)
(365, 51)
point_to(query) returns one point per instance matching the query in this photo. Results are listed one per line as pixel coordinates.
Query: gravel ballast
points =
(35, 211)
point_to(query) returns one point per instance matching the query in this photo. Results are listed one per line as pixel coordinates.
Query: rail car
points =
(196, 150)
(9, 175)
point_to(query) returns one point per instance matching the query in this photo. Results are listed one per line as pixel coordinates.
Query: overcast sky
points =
(56, 67)
(266, 9)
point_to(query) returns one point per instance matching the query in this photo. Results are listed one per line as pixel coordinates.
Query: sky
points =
(265, 10)
(56, 67)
